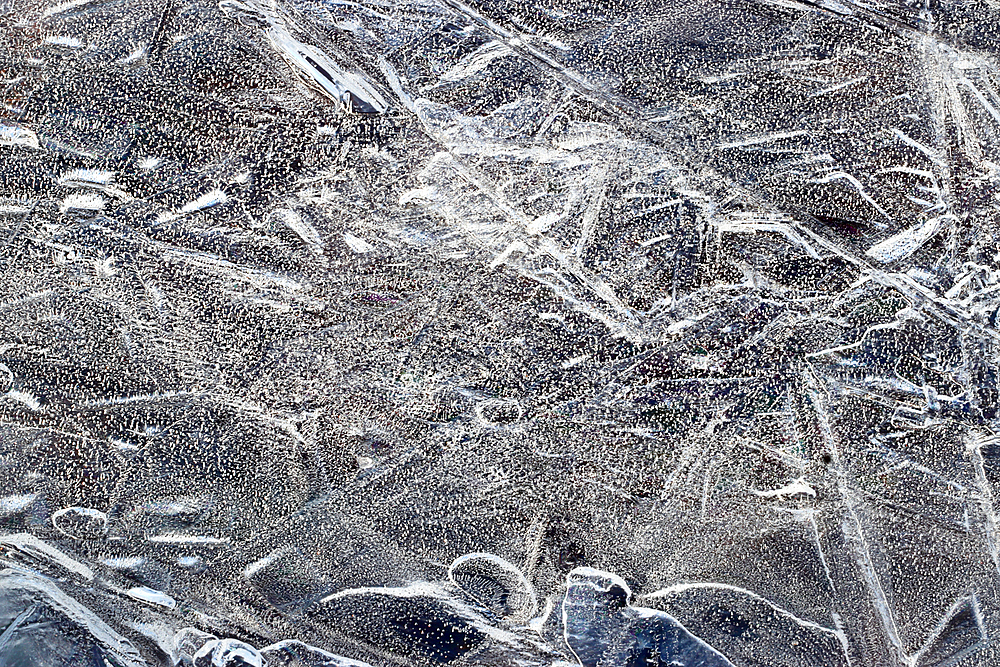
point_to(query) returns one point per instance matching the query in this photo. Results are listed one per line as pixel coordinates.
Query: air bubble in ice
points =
(81, 523)
(496, 584)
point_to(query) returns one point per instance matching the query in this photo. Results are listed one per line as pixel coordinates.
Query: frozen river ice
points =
(610, 333)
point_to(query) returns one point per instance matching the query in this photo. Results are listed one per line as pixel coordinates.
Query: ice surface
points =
(492, 332)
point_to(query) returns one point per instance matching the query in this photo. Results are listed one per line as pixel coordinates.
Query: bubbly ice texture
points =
(551, 333)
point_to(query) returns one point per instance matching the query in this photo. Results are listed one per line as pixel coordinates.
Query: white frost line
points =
(31, 545)
(681, 325)
(765, 139)
(22, 300)
(416, 589)
(910, 170)
(435, 591)
(82, 202)
(514, 246)
(62, 40)
(137, 398)
(12, 504)
(305, 231)
(222, 267)
(599, 188)
(187, 539)
(575, 361)
(259, 564)
(843, 175)
(123, 562)
(18, 136)
(913, 143)
(839, 86)
(975, 451)
(152, 596)
(333, 80)
(207, 200)
(25, 398)
(832, 350)
(660, 207)
(852, 524)
(93, 178)
(86, 177)
(841, 634)
(359, 246)
(543, 223)
(908, 241)
(654, 241)
(65, 7)
(751, 227)
(798, 487)
(680, 588)
(982, 100)
(476, 61)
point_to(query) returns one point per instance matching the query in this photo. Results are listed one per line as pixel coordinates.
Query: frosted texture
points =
(610, 333)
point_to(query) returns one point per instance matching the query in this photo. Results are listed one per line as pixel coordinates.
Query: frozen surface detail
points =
(491, 332)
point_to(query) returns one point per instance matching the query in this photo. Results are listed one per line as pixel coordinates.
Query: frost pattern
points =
(604, 333)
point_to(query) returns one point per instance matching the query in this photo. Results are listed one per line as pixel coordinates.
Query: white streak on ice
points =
(208, 200)
(152, 596)
(798, 487)
(61, 40)
(476, 62)
(65, 7)
(188, 539)
(680, 588)
(908, 241)
(25, 398)
(357, 245)
(31, 545)
(13, 504)
(765, 139)
(82, 202)
(18, 136)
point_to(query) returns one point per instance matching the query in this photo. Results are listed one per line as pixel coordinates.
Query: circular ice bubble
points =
(81, 523)
(227, 653)
(496, 584)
